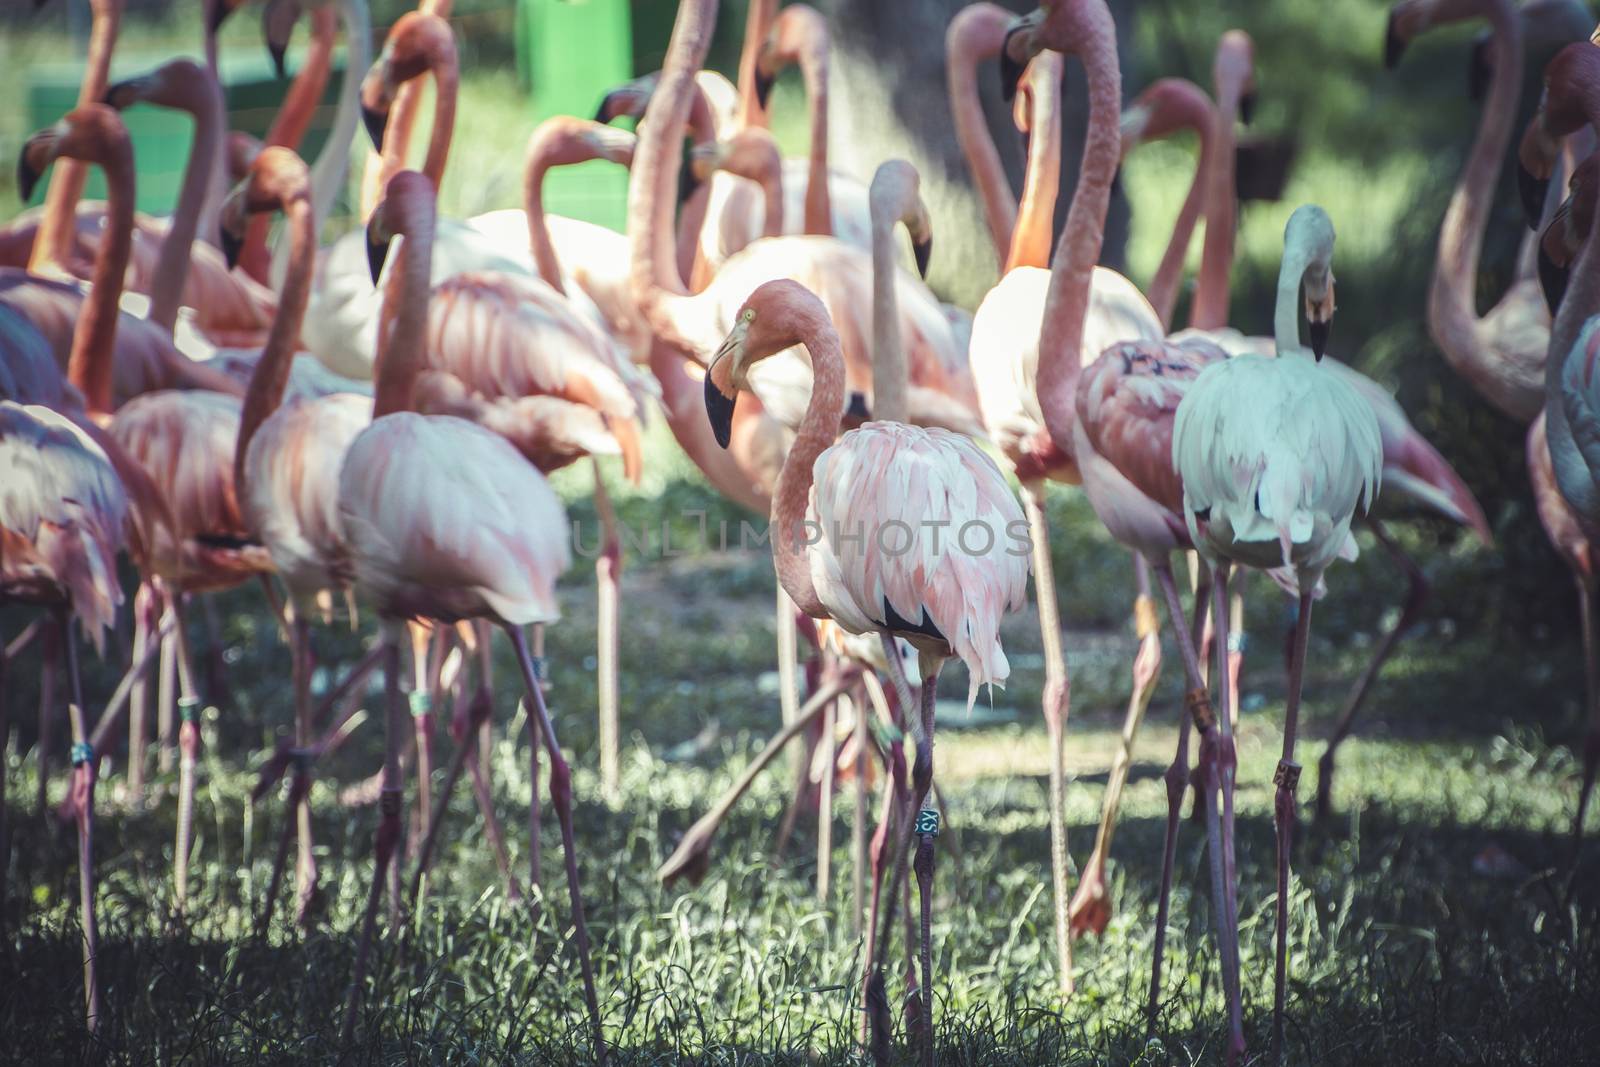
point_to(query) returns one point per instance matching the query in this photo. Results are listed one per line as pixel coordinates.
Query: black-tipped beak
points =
(1319, 336)
(278, 52)
(857, 407)
(1247, 107)
(376, 122)
(923, 250)
(719, 411)
(764, 84)
(1552, 280)
(27, 177)
(1479, 71)
(377, 254)
(115, 91)
(1010, 70)
(1394, 46)
(231, 246)
(1532, 190)
(688, 181)
(611, 106)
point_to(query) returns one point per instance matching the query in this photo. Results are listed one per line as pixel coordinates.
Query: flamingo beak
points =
(1533, 190)
(1247, 107)
(1552, 280)
(124, 93)
(230, 242)
(37, 153)
(1319, 318)
(277, 52)
(857, 408)
(1011, 67)
(1394, 45)
(688, 173)
(923, 250)
(722, 390)
(764, 84)
(377, 249)
(216, 14)
(1479, 69)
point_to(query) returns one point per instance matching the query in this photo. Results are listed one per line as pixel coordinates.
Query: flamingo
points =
(444, 520)
(286, 462)
(1275, 456)
(1571, 102)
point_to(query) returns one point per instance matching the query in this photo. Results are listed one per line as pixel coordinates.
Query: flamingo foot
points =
(1090, 911)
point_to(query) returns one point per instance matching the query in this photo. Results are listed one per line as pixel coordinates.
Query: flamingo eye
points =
(748, 315)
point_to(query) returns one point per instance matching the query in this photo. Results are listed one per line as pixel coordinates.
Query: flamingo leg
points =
(144, 617)
(1198, 703)
(1286, 778)
(188, 754)
(1224, 769)
(480, 644)
(5, 743)
(926, 828)
(83, 780)
(1591, 680)
(825, 801)
(1410, 609)
(298, 823)
(875, 1020)
(1238, 642)
(1091, 906)
(166, 688)
(387, 839)
(866, 691)
(1057, 698)
(1177, 780)
(561, 798)
(535, 810)
(421, 700)
(692, 855)
(49, 654)
(607, 570)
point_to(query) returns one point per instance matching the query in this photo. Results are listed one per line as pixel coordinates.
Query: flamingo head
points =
(418, 43)
(1566, 231)
(277, 26)
(217, 12)
(1165, 107)
(277, 179)
(239, 151)
(777, 315)
(798, 35)
(1234, 73)
(407, 208)
(1016, 50)
(1308, 253)
(1571, 79)
(896, 196)
(629, 99)
(751, 153)
(180, 85)
(92, 133)
(1547, 26)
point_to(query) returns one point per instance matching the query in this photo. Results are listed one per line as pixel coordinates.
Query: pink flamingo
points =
(1572, 102)
(1275, 455)
(444, 520)
(285, 467)
(1112, 421)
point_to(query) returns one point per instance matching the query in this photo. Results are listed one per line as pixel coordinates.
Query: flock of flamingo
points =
(372, 421)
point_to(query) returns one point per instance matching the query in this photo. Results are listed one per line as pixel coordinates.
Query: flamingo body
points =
(445, 520)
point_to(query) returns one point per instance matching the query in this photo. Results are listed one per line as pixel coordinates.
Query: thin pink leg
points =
(926, 829)
(1226, 770)
(561, 797)
(1286, 778)
(145, 614)
(387, 839)
(83, 776)
(188, 754)
(875, 1021)
(535, 742)
(49, 661)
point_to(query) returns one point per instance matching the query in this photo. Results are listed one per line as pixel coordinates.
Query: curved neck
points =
(1452, 305)
(771, 182)
(1072, 269)
(328, 172)
(977, 34)
(52, 248)
(1209, 311)
(403, 323)
(653, 269)
(888, 357)
(294, 115)
(1163, 288)
(792, 494)
(1286, 310)
(1030, 240)
(818, 204)
(383, 165)
(1582, 298)
(195, 210)
(89, 365)
(544, 252)
(757, 21)
(271, 374)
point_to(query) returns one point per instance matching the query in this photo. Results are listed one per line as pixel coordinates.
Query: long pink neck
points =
(58, 225)
(402, 330)
(1209, 311)
(1582, 298)
(1163, 288)
(818, 204)
(818, 429)
(192, 209)
(1072, 271)
(89, 365)
(1452, 305)
(977, 33)
(1030, 241)
(684, 405)
(270, 378)
(757, 21)
(544, 252)
(653, 272)
(402, 126)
